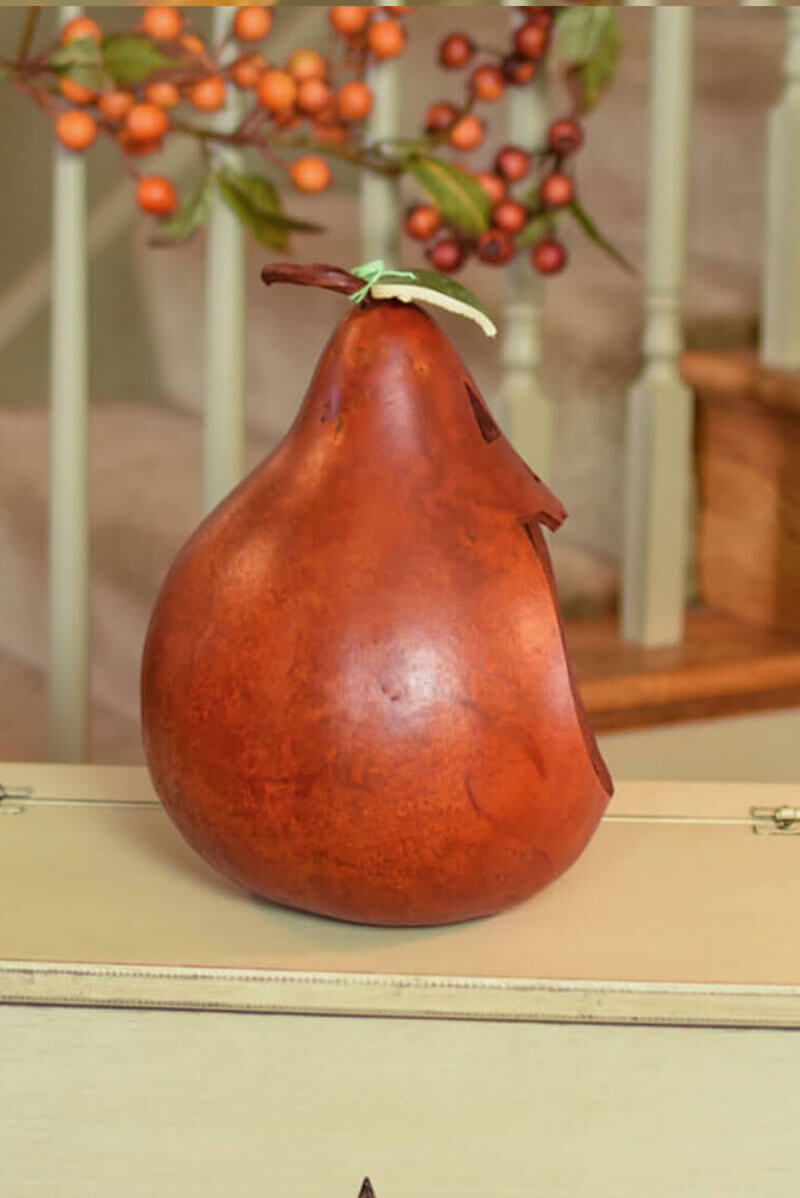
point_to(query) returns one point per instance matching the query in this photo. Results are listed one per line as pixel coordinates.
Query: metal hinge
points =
(775, 821)
(13, 792)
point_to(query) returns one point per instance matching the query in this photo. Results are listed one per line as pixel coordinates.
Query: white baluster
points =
(780, 333)
(224, 429)
(658, 451)
(69, 660)
(530, 413)
(380, 196)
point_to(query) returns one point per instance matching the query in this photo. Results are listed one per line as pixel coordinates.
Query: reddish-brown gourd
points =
(355, 693)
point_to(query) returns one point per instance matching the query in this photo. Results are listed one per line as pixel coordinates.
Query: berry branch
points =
(156, 82)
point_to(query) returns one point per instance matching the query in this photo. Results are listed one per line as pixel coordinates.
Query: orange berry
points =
(285, 118)
(75, 92)
(310, 173)
(252, 22)
(354, 101)
(115, 105)
(156, 194)
(306, 64)
(467, 133)
(208, 94)
(139, 149)
(487, 82)
(162, 22)
(147, 122)
(386, 38)
(493, 185)
(162, 93)
(313, 95)
(276, 90)
(248, 69)
(331, 134)
(348, 19)
(193, 43)
(422, 221)
(80, 27)
(76, 129)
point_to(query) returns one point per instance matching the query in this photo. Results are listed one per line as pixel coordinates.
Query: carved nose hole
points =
(489, 430)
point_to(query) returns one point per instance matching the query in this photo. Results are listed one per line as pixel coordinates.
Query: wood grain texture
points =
(748, 465)
(722, 667)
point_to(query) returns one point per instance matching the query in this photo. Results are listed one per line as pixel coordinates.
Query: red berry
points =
(422, 221)
(512, 163)
(518, 70)
(440, 116)
(509, 215)
(539, 14)
(557, 190)
(446, 255)
(487, 82)
(531, 41)
(565, 136)
(493, 185)
(548, 256)
(456, 51)
(495, 247)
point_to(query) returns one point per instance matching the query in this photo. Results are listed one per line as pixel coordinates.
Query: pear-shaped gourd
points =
(356, 697)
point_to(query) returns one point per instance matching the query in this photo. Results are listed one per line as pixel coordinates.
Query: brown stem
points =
(28, 31)
(318, 274)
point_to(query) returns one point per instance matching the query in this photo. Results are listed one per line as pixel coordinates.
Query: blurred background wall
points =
(147, 328)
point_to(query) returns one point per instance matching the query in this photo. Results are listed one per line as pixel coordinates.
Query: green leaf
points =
(538, 226)
(131, 57)
(191, 215)
(82, 61)
(458, 196)
(428, 286)
(256, 202)
(593, 233)
(588, 41)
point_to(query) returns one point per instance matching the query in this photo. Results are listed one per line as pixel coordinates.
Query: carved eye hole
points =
(489, 430)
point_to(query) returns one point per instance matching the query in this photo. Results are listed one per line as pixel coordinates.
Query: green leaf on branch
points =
(256, 202)
(537, 227)
(588, 42)
(130, 57)
(593, 233)
(191, 216)
(459, 197)
(82, 61)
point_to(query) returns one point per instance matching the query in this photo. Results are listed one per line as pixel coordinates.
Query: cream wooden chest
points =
(633, 1030)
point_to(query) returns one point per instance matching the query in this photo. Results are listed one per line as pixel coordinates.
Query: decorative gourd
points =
(355, 693)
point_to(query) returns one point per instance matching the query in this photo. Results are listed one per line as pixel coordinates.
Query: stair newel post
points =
(780, 332)
(224, 423)
(658, 464)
